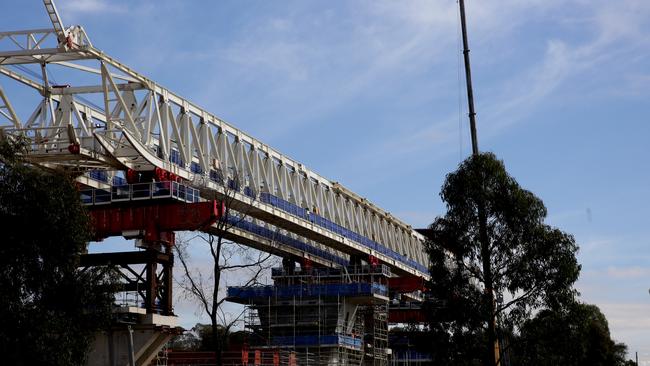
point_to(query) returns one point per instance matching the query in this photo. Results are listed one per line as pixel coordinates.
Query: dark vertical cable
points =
(482, 215)
(468, 77)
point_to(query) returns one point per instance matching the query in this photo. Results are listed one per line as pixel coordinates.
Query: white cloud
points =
(616, 31)
(627, 273)
(75, 7)
(629, 323)
(322, 61)
(391, 42)
(289, 59)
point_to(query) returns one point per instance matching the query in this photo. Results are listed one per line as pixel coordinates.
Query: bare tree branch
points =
(195, 288)
(226, 257)
(523, 297)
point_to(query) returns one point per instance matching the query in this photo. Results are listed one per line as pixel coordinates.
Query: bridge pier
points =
(139, 330)
(148, 273)
(143, 324)
(148, 334)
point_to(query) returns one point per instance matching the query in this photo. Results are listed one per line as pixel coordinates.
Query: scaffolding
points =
(377, 334)
(407, 347)
(323, 316)
(161, 358)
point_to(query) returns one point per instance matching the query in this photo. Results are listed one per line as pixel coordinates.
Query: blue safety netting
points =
(99, 175)
(338, 229)
(175, 157)
(315, 340)
(102, 176)
(411, 355)
(292, 209)
(285, 239)
(196, 168)
(308, 290)
(119, 181)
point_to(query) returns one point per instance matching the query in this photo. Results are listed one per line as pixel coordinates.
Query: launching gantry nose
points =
(128, 122)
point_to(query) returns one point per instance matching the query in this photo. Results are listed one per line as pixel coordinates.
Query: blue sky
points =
(369, 93)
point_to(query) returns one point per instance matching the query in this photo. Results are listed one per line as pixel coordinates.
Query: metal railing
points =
(140, 191)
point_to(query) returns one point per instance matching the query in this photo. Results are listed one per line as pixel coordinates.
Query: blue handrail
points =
(338, 229)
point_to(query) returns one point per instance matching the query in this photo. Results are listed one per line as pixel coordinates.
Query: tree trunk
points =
(218, 349)
(489, 286)
(216, 341)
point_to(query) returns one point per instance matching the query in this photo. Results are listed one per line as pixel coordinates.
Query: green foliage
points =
(48, 309)
(576, 336)
(190, 340)
(527, 264)
(200, 338)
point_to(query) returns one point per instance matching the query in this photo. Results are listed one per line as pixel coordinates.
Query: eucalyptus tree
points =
(49, 309)
(494, 261)
(574, 336)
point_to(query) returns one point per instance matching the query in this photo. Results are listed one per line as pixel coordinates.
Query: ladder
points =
(55, 19)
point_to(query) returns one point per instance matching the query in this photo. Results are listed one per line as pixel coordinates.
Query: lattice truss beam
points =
(107, 116)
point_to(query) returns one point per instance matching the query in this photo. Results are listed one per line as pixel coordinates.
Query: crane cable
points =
(459, 85)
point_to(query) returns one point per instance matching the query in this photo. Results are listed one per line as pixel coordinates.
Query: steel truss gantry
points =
(109, 117)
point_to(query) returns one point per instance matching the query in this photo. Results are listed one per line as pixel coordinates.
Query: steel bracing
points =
(106, 116)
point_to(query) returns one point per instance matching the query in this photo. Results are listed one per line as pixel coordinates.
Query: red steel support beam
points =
(154, 222)
(407, 316)
(406, 284)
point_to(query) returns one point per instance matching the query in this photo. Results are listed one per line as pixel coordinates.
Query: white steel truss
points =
(124, 120)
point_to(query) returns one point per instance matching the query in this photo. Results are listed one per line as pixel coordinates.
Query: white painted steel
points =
(139, 123)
